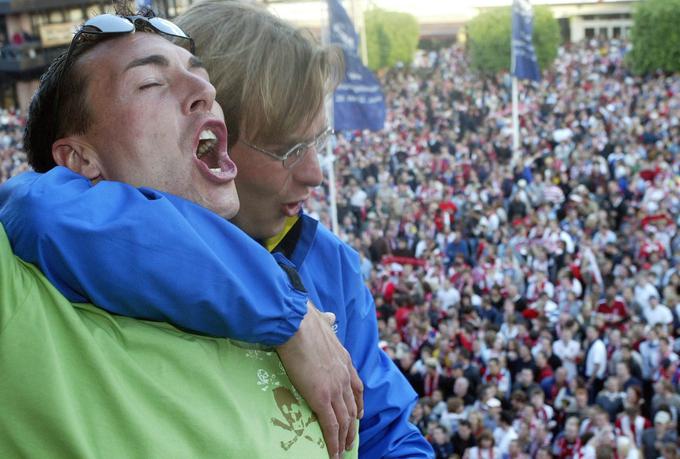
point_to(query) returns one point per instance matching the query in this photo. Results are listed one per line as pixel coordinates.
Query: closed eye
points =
(149, 85)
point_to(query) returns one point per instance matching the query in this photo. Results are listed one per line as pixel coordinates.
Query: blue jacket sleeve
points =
(150, 255)
(385, 430)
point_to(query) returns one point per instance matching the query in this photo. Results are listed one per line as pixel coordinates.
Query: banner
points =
(358, 102)
(524, 65)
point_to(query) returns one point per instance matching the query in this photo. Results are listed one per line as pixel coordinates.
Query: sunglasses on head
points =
(111, 24)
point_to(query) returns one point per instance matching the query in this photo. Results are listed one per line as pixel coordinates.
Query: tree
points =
(655, 36)
(391, 37)
(489, 39)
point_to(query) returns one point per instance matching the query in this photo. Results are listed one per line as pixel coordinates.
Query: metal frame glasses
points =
(297, 152)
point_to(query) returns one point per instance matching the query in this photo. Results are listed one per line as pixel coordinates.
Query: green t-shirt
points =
(77, 382)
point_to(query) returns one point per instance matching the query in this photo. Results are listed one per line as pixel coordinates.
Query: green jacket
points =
(77, 382)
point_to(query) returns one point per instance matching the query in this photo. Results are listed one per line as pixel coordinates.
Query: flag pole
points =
(523, 63)
(515, 102)
(358, 14)
(329, 159)
(515, 121)
(330, 165)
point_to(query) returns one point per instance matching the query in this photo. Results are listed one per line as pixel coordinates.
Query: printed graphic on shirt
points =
(293, 418)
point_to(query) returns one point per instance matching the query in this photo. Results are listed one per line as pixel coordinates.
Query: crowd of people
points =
(12, 157)
(531, 299)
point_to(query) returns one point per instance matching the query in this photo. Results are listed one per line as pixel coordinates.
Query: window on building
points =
(74, 15)
(616, 32)
(604, 32)
(56, 17)
(590, 32)
(38, 19)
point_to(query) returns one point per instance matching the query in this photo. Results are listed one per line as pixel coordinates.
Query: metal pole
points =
(360, 22)
(330, 165)
(515, 121)
(329, 159)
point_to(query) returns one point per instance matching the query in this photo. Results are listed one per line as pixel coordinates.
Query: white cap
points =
(493, 403)
(662, 417)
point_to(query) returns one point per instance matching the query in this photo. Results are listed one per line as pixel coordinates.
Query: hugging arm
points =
(145, 254)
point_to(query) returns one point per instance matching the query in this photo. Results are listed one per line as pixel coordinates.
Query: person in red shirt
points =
(612, 309)
(544, 369)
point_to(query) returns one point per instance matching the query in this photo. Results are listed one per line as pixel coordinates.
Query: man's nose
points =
(308, 171)
(200, 94)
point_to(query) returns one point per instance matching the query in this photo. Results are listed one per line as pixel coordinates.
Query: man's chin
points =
(226, 207)
(230, 211)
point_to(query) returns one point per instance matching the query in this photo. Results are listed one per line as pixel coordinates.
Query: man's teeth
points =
(207, 140)
(215, 170)
(207, 134)
(204, 147)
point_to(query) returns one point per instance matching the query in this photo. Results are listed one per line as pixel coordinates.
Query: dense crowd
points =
(532, 300)
(12, 157)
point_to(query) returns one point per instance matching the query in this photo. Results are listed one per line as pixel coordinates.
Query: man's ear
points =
(78, 156)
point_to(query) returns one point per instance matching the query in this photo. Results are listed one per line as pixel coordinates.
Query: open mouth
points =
(211, 153)
(208, 150)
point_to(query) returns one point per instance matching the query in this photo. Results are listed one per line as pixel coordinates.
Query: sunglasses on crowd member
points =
(297, 152)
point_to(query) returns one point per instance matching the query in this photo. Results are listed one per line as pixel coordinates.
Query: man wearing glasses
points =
(132, 107)
(274, 141)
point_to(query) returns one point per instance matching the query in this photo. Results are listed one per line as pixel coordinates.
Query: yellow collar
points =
(273, 241)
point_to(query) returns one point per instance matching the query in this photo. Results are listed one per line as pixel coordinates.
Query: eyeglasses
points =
(296, 153)
(111, 24)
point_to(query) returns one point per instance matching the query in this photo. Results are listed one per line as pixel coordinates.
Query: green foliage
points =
(656, 36)
(489, 39)
(391, 37)
(546, 36)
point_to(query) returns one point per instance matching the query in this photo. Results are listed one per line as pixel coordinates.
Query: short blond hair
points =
(271, 78)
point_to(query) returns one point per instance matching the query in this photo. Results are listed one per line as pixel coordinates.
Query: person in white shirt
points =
(656, 313)
(504, 434)
(645, 289)
(567, 349)
(448, 295)
(596, 362)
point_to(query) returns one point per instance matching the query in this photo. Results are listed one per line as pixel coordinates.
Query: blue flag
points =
(358, 102)
(524, 65)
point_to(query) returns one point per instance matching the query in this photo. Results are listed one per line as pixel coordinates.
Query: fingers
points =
(329, 428)
(351, 417)
(357, 390)
(344, 421)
